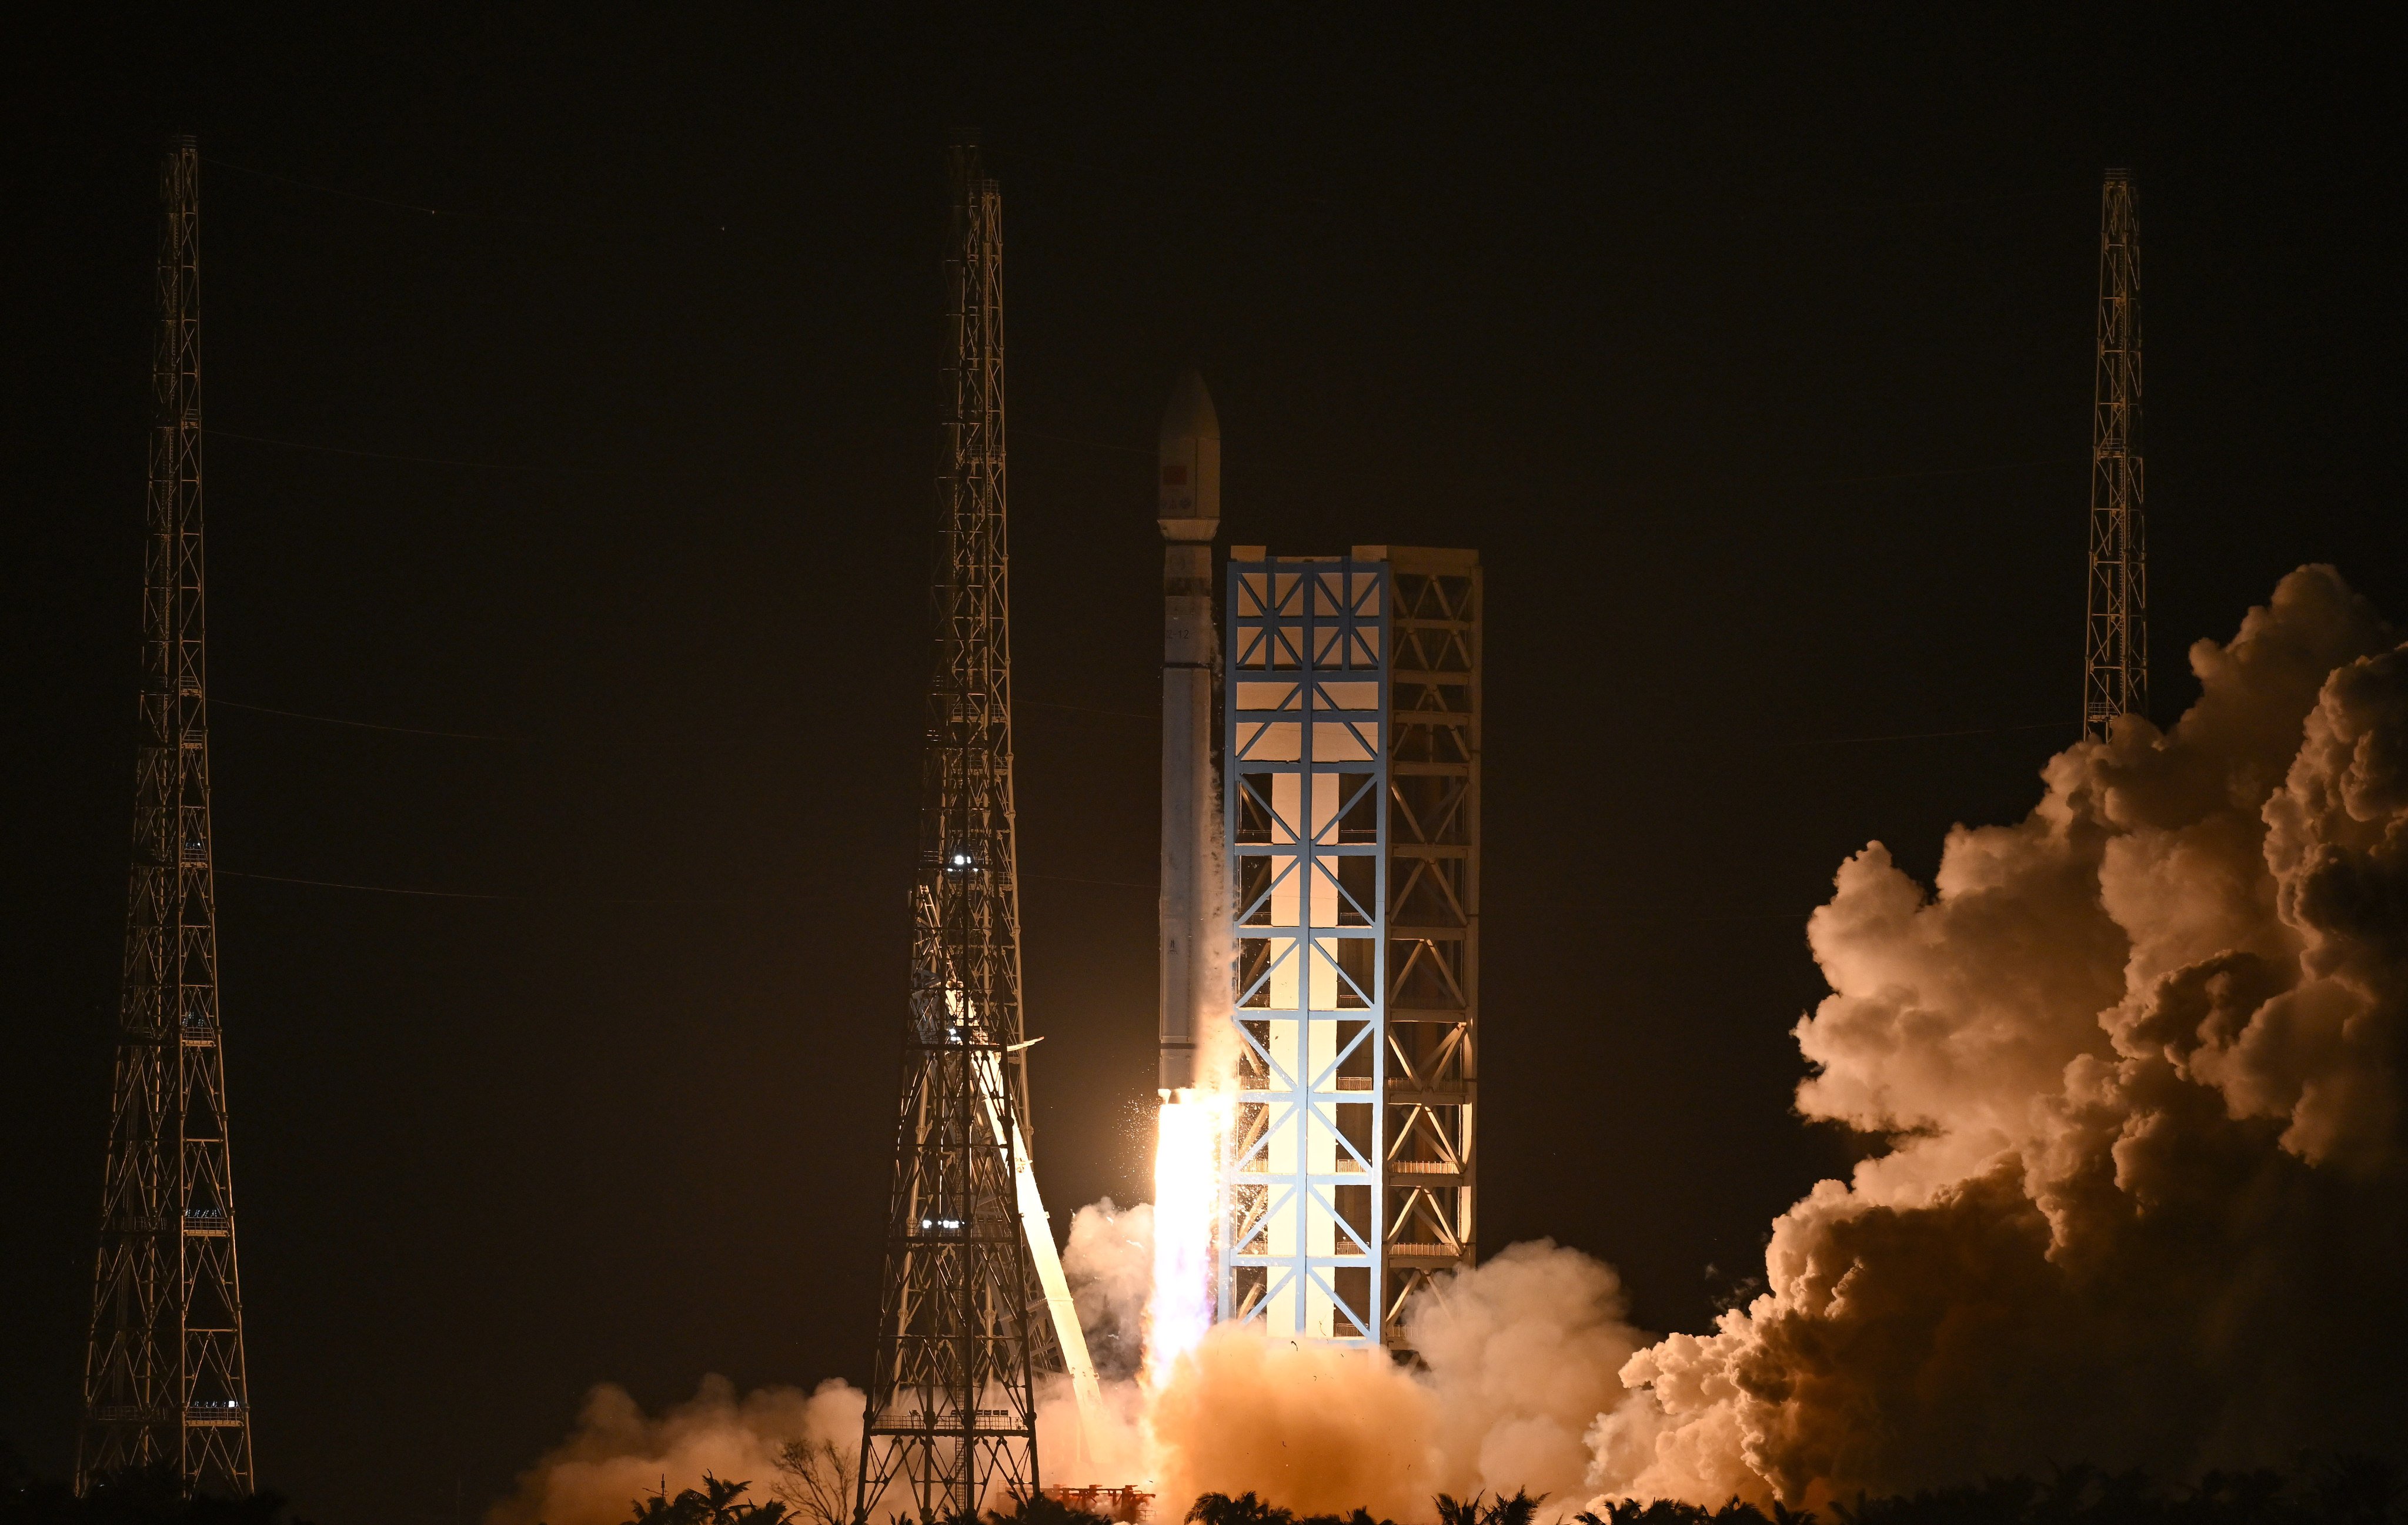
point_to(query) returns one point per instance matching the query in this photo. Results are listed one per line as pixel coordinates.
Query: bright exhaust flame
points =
(1187, 1192)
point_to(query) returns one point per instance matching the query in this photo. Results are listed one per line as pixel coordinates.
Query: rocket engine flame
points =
(1186, 1199)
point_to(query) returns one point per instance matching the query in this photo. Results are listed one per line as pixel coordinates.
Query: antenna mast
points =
(165, 1382)
(2116, 655)
(951, 1413)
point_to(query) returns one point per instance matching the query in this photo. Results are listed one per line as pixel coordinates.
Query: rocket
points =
(1189, 518)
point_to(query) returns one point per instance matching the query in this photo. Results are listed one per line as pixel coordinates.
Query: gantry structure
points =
(1430, 848)
(1351, 802)
(972, 1304)
(165, 1383)
(2115, 642)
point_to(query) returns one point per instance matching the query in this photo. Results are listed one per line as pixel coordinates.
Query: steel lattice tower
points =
(165, 1382)
(2115, 646)
(952, 1414)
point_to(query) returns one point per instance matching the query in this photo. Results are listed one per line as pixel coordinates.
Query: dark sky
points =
(1754, 359)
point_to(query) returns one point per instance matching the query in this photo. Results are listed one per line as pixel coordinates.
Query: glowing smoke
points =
(2137, 1061)
(1110, 1262)
(1521, 1357)
(618, 1453)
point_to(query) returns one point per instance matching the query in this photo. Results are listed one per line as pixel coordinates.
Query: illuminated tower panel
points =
(1306, 806)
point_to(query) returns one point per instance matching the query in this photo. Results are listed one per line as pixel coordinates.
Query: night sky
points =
(571, 384)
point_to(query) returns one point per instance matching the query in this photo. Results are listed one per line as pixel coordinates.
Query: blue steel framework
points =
(1306, 809)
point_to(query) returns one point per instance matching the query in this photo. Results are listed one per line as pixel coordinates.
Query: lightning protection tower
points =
(2115, 645)
(165, 1382)
(951, 1417)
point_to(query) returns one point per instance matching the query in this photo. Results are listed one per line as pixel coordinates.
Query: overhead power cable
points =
(453, 214)
(1089, 444)
(361, 725)
(1690, 484)
(476, 895)
(1073, 878)
(417, 892)
(351, 195)
(367, 889)
(488, 735)
(1616, 913)
(1923, 736)
(450, 460)
(1089, 709)
(1936, 471)
(1737, 199)
(1756, 208)
(1081, 710)
(1755, 483)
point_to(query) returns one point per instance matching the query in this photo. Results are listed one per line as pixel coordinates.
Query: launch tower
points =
(1430, 887)
(2115, 644)
(973, 1303)
(1351, 798)
(164, 1381)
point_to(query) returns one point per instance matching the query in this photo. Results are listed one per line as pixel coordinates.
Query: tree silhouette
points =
(716, 1503)
(1246, 1509)
(1518, 1510)
(815, 1478)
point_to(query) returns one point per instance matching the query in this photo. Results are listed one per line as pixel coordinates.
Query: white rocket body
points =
(1190, 518)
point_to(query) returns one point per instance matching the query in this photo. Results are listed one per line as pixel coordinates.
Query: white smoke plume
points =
(2136, 1063)
(1521, 1357)
(1110, 1263)
(618, 1453)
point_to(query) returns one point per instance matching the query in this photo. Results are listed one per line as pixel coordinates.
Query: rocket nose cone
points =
(1190, 415)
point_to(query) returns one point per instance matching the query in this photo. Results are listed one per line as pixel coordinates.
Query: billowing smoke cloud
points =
(1110, 1263)
(1521, 1357)
(2137, 1064)
(619, 1454)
